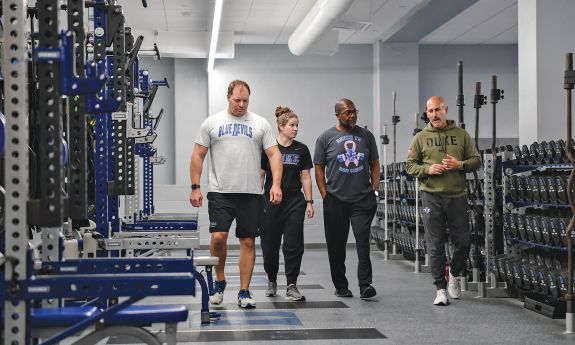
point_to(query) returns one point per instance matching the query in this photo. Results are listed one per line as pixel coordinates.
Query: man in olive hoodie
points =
(440, 156)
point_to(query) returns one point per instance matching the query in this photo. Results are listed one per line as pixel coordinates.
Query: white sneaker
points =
(441, 298)
(218, 294)
(245, 299)
(454, 286)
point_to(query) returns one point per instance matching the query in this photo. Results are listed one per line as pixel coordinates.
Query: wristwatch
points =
(309, 201)
(195, 186)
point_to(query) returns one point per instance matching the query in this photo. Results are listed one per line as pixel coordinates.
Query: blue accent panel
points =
(43, 287)
(190, 225)
(120, 266)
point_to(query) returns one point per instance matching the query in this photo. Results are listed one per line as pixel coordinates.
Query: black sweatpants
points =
(284, 219)
(440, 213)
(337, 216)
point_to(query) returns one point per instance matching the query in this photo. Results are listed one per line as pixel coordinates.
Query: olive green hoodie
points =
(430, 146)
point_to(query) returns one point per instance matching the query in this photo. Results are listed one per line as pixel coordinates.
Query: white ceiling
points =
(485, 22)
(273, 21)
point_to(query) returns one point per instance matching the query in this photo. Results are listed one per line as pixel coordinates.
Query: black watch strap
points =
(195, 186)
(309, 201)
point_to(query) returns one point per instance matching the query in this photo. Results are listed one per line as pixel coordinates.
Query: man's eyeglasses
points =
(349, 112)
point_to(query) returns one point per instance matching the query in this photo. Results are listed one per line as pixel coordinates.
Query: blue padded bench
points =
(142, 315)
(60, 317)
(133, 315)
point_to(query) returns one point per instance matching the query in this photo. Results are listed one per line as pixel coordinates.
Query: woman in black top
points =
(287, 218)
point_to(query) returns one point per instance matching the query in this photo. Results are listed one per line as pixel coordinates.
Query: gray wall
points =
(309, 85)
(438, 76)
(160, 69)
(191, 97)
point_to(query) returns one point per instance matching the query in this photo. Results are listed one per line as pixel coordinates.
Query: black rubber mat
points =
(272, 335)
(287, 335)
(285, 305)
(283, 287)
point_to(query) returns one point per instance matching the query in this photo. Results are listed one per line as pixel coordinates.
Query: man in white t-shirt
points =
(235, 138)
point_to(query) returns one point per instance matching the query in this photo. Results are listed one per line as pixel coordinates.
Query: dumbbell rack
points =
(402, 214)
(536, 215)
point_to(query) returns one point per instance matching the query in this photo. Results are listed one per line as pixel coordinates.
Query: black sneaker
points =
(366, 292)
(343, 292)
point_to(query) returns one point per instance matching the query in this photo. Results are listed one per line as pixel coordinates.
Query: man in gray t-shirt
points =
(349, 153)
(235, 138)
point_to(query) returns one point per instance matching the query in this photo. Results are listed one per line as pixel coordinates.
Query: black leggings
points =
(285, 219)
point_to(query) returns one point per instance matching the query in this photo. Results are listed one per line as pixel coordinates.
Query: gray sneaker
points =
(272, 289)
(294, 294)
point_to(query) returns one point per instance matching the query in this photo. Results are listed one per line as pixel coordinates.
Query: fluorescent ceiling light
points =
(215, 34)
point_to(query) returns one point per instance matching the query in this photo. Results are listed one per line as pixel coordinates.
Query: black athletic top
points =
(295, 158)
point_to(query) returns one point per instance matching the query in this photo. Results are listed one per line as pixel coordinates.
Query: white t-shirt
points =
(235, 147)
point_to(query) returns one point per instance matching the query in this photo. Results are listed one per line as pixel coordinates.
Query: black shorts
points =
(246, 209)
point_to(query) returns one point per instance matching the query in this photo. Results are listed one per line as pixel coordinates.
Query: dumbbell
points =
(509, 271)
(537, 228)
(529, 227)
(555, 230)
(527, 188)
(553, 151)
(546, 231)
(552, 189)
(513, 225)
(562, 151)
(511, 182)
(498, 265)
(562, 227)
(520, 187)
(526, 276)
(534, 154)
(543, 189)
(534, 182)
(525, 155)
(561, 185)
(542, 275)
(518, 155)
(517, 275)
(545, 152)
(521, 228)
(553, 281)
(562, 281)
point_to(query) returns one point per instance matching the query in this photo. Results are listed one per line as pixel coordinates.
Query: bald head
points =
(436, 111)
(343, 104)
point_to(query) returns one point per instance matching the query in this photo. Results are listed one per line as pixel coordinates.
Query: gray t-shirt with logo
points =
(346, 156)
(235, 148)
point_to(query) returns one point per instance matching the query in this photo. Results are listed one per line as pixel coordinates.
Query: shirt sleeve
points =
(306, 162)
(203, 137)
(269, 139)
(319, 151)
(415, 167)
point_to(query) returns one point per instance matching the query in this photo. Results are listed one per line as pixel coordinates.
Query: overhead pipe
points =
(316, 23)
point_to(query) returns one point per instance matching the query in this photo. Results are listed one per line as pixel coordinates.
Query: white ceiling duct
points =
(316, 24)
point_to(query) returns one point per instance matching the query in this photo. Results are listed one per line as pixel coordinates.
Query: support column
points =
(545, 30)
